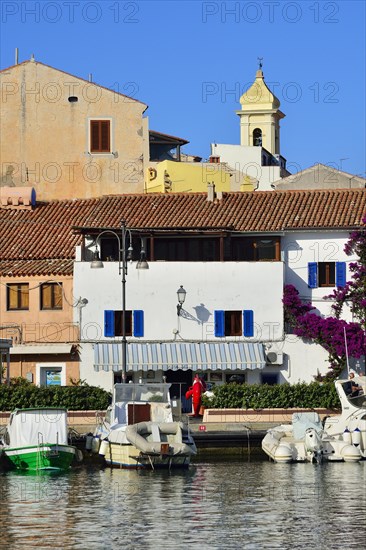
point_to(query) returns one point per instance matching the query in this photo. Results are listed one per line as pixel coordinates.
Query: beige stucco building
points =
(320, 176)
(69, 137)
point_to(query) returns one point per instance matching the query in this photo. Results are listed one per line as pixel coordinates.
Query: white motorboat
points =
(338, 438)
(138, 430)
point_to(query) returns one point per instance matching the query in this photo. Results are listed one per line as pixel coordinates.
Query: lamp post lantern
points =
(181, 293)
(123, 255)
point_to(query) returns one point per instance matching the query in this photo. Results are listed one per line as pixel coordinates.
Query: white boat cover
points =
(302, 421)
(34, 426)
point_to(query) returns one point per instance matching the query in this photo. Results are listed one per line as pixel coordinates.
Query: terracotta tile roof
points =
(9, 268)
(45, 233)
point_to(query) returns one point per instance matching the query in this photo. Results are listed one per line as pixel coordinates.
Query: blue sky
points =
(190, 61)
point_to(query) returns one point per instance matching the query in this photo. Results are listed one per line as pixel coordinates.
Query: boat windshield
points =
(142, 393)
(357, 399)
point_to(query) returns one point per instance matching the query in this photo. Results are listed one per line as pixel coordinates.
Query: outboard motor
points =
(314, 445)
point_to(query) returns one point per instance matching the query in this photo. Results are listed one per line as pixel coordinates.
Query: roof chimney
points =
(211, 192)
(16, 56)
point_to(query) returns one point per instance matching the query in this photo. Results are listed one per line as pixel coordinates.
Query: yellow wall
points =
(47, 136)
(177, 177)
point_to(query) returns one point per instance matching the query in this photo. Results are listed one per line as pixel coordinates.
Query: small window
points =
(266, 249)
(100, 136)
(119, 323)
(326, 273)
(113, 323)
(18, 296)
(51, 296)
(233, 323)
(257, 137)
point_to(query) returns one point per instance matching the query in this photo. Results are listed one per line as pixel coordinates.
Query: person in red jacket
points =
(196, 391)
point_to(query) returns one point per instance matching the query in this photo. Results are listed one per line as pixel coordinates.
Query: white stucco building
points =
(232, 318)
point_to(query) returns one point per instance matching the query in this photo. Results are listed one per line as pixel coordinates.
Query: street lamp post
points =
(181, 293)
(123, 256)
(124, 272)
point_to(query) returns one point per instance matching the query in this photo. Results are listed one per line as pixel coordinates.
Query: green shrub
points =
(73, 398)
(264, 396)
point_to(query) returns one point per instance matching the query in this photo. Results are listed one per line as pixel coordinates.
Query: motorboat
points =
(340, 437)
(350, 425)
(37, 439)
(138, 430)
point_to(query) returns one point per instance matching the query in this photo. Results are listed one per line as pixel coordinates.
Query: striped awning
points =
(180, 356)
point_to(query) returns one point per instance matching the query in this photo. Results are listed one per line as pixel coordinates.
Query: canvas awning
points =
(180, 356)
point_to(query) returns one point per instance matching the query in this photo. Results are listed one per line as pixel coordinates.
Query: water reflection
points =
(230, 505)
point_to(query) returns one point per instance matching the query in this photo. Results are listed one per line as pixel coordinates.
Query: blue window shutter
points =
(312, 274)
(341, 274)
(138, 323)
(219, 319)
(248, 322)
(109, 322)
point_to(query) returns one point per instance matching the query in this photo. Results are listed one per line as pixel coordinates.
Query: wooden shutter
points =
(340, 274)
(12, 296)
(248, 322)
(312, 274)
(94, 136)
(219, 319)
(46, 301)
(24, 296)
(138, 323)
(100, 136)
(105, 136)
(109, 323)
(57, 294)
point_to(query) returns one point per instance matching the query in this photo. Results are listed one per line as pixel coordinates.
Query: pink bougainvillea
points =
(332, 333)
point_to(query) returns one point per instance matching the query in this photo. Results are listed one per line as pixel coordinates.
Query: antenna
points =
(16, 56)
(345, 341)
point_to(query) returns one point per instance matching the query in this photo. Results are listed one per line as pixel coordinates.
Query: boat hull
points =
(128, 456)
(42, 457)
(282, 447)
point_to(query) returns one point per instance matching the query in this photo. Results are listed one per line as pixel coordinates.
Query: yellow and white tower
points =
(260, 116)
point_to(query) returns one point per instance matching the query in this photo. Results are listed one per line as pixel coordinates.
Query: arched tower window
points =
(257, 137)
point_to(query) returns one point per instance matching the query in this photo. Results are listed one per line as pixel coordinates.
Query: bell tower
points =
(260, 116)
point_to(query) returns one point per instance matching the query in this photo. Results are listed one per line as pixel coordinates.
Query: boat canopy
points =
(303, 421)
(34, 426)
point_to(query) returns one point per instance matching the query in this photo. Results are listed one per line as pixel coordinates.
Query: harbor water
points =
(228, 504)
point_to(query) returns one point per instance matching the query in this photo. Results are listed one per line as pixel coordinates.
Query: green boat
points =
(37, 439)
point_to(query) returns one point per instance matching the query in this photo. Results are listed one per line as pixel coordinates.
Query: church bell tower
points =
(260, 116)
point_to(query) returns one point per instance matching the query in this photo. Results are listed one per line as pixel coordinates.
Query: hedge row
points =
(74, 398)
(263, 396)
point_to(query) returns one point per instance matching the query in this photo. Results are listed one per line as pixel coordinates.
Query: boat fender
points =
(89, 441)
(95, 444)
(356, 437)
(347, 437)
(104, 446)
